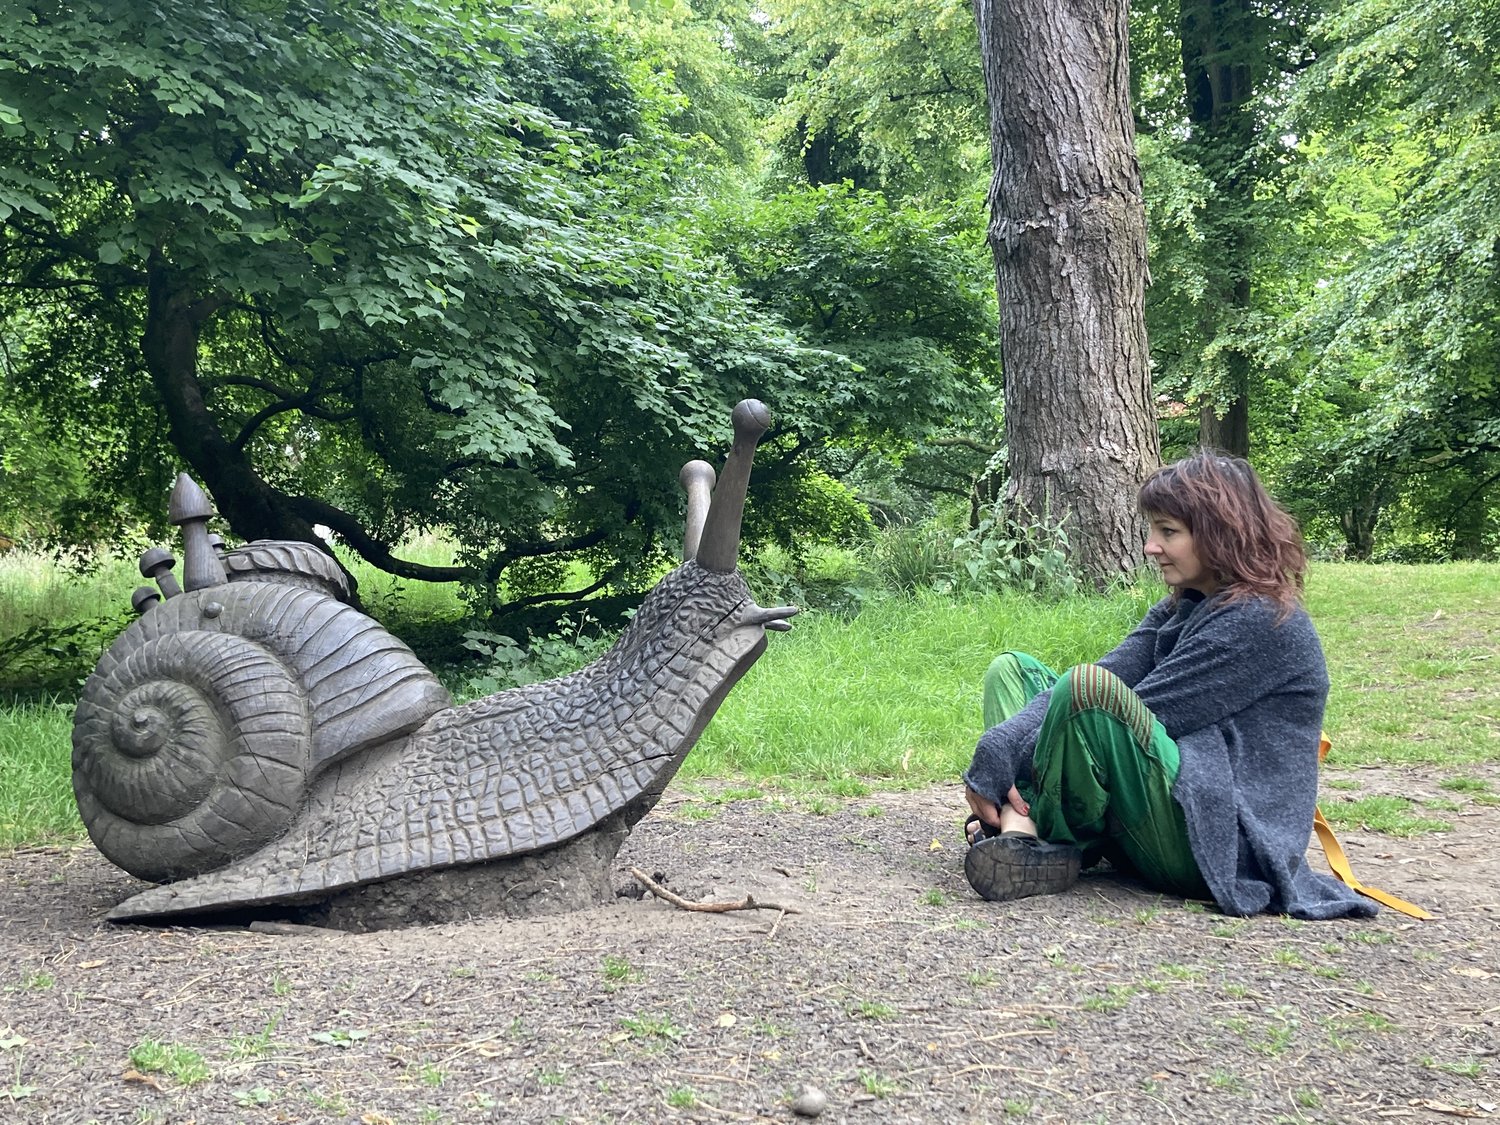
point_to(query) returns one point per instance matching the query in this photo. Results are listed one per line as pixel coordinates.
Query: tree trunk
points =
(1068, 233)
(174, 319)
(1229, 433)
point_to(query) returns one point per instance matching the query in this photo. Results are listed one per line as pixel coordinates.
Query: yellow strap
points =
(1339, 862)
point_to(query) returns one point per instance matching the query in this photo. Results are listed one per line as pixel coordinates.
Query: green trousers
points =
(1103, 771)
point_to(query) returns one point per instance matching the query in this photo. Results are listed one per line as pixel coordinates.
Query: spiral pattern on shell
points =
(189, 751)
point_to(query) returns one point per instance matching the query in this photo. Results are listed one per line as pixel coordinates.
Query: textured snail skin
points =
(515, 773)
(263, 743)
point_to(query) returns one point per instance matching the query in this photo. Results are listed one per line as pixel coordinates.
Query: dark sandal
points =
(986, 831)
(1011, 865)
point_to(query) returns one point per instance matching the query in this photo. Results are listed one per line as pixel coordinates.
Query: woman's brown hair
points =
(1240, 534)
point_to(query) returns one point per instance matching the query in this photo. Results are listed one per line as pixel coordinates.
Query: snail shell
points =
(192, 746)
(199, 732)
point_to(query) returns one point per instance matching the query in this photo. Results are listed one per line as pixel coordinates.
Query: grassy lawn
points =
(891, 698)
(1414, 656)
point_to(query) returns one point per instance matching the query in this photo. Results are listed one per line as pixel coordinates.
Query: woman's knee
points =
(1089, 687)
(1004, 667)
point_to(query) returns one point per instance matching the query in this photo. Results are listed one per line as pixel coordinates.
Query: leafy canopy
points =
(377, 288)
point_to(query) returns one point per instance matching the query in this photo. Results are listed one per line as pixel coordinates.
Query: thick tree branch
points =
(374, 551)
(271, 410)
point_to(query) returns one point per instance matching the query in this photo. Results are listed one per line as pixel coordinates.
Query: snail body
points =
(256, 741)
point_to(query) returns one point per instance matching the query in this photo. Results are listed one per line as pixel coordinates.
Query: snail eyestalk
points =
(719, 548)
(697, 480)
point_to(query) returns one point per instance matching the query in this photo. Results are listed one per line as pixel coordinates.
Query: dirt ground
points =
(895, 991)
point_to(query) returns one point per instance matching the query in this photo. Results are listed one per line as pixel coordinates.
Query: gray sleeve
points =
(1135, 656)
(1005, 750)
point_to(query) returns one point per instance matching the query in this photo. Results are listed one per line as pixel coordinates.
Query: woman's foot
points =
(1018, 864)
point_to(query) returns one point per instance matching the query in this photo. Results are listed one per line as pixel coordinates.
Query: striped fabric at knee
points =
(1092, 688)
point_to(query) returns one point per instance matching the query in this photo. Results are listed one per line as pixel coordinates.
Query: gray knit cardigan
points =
(1242, 695)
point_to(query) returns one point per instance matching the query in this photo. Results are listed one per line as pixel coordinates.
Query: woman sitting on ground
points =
(1189, 754)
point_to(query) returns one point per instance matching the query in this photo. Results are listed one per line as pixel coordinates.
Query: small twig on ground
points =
(748, 903)
(292, 929)
(776, 925)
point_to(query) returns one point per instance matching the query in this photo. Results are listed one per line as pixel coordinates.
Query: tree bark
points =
(1068, 234)
(174, 320)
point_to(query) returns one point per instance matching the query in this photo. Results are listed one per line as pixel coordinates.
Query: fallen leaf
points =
(1160, 1076)
(773, 1055)
(935, 846)
(9, 1038)
(373, 1118)
(617, 1037)
(142, 1079)
(1466, 971)
(725, 1020)
(91, 964)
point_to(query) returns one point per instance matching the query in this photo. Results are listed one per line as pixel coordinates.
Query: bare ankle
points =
(1012, 821)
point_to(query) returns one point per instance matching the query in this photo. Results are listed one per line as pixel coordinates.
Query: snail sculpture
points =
(252, 742)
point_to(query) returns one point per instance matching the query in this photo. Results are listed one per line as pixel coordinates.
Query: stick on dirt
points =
(747, 903)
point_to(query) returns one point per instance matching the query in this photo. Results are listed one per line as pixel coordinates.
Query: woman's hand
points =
(989, 812)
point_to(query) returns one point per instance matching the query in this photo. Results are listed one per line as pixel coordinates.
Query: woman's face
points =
(1170, 546)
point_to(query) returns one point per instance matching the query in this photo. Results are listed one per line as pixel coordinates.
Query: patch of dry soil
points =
(894, 990)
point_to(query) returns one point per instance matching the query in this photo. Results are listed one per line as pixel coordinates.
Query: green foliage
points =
(38, 470)
(884, 94)
(358, 281)
(1398, 323)
(509, 664)
(904, 293)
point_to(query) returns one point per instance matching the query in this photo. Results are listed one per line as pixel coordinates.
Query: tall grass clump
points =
(1002, 551)
(36, 789)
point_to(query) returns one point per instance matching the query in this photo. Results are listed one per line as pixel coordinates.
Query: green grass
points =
(36, 788)
(893, 695)
(1413, 656)
(1394, 816)
(1410, 657)
(842, 708)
